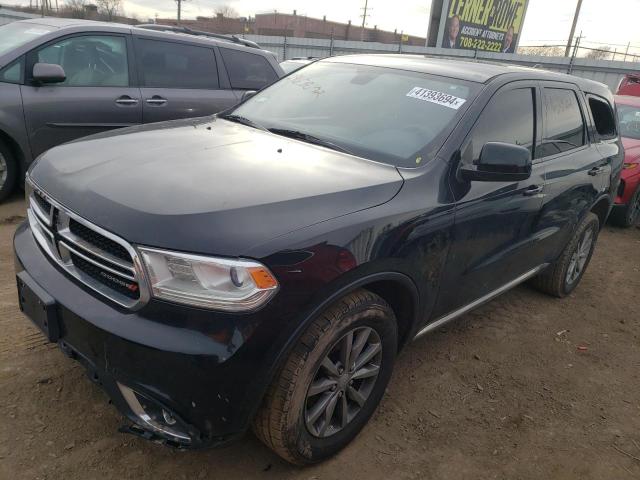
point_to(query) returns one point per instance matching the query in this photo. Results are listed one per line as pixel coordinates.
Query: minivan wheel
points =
(8, 172)
(332, 381)
(564, 275)
(628, 215)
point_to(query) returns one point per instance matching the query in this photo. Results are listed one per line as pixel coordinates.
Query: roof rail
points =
(200, 33)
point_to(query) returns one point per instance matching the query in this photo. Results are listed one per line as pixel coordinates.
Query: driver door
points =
(96, 95)
(497, 231)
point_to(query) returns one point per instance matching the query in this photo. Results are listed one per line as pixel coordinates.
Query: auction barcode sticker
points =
(433, 96)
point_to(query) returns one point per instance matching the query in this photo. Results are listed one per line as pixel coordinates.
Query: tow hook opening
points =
(154, 421)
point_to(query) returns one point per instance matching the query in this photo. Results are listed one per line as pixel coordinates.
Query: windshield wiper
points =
(305, 137)
(242, 120)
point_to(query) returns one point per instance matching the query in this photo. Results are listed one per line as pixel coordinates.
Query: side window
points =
(247, 71)
(564, 126)
(509, 117)
(603, 117)
(176, 65)
(13, 72)
(89, 61)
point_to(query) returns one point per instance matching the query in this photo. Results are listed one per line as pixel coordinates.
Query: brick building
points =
(293, 25)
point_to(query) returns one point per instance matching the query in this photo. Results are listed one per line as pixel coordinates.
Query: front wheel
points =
(563, 275)
(8, 172)
(332, 381)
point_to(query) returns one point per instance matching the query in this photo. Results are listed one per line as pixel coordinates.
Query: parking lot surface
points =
(527, 386)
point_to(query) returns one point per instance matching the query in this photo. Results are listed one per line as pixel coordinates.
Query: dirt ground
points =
(525, 387)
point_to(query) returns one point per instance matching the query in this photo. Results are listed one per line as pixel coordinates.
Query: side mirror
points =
(499, 162)
(247, 95)
(48, 73)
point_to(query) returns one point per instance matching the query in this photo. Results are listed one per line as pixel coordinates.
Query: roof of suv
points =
(64, 23)
(474, 71)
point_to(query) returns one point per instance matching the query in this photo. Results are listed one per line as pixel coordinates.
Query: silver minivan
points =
(62, 79)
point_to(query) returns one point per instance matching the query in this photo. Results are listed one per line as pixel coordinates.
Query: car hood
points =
(631, 149)
(208, 185)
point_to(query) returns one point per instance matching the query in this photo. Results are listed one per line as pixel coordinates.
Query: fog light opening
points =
(153, 416)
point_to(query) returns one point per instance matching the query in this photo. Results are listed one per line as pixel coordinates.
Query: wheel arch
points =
(15, 148)
(397, 289)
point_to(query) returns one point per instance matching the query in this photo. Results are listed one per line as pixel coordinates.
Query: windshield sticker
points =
(433, 96)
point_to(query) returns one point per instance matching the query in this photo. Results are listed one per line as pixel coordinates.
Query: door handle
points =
(596, 171)
(532, 190)
(126, 100)
(156, 100)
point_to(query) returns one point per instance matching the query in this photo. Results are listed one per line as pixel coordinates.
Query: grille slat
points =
(131, 291)
(91, 255)
(43, 202)
(97, 240)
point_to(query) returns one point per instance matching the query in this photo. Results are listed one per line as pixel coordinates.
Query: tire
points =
(284, 422)
(628, 215)
(559, 279)
(8, 172)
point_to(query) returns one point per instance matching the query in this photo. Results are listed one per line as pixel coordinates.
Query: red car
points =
(626, 211)
(629, 85)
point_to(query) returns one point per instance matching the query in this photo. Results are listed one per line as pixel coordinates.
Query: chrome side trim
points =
(476, 303)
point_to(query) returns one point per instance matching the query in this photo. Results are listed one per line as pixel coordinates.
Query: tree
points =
(74, 8)
(599, 53)
(226, 11)
(109, 8)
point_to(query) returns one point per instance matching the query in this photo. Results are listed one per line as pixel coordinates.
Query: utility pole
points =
(365, 14)
(573, 28)
(179, 2)
(626, 52)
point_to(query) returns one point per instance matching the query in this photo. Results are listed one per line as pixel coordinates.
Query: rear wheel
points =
(628, 215)
(8, 172)
(332, 381)
(563, 275)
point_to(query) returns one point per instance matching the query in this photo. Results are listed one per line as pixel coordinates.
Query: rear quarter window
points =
(247, 71)
(603, 117)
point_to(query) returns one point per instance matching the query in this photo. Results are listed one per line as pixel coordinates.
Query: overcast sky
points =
(547, 21)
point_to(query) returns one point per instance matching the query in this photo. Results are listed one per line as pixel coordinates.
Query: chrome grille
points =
(104, 262)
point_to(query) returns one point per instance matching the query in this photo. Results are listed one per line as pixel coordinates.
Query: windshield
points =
(13, 35)
(388, 115)
(629, 118)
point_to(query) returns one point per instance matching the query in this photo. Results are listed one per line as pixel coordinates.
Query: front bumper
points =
(629, 183)
(208, 371)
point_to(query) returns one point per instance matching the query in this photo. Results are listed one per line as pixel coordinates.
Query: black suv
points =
(62, 79)
(308, 235)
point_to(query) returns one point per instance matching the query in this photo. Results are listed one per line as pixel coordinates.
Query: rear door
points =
(576, 173)
(96, 96)
(179, 80)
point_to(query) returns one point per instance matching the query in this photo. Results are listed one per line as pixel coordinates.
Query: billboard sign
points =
(489, 25)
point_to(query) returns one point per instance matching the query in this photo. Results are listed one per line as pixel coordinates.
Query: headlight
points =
(216, 283)
(629, 166)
